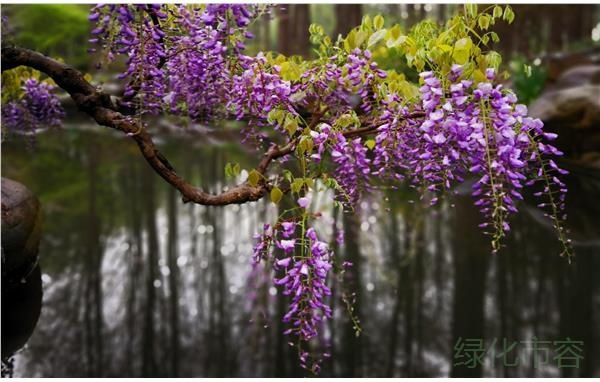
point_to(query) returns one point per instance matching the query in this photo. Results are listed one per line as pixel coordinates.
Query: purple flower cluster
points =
(481, 130)
(263, 244)
(258, 91)
(303, 268)
(344, 83)
(468, 129)
(123, 30)
(358, 74)
(198, 70)
(37, 107)
(183, 67)
(352, 166)
(394, 140)
(320, 139)
(305, 281)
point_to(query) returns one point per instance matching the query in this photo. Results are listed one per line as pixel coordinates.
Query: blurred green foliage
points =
(528, 81)
(58, 30)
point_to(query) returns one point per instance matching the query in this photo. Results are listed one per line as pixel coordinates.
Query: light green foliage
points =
(464, 39)
(527, 83)
(276, 195)
(13, 80)
(59, 30)
(232, 170)
(254, 178)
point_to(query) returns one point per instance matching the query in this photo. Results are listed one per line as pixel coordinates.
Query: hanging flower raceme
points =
(183, 68)
(258, 90)
(305, 281)
(480, 129)
(302, 268)
(352, 167)
(37, 107)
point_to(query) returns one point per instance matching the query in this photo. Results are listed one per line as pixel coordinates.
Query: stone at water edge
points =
(571, 107)
(21, 227)
(21, 276)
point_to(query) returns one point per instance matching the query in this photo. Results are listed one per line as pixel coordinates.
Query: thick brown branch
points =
(100, 107)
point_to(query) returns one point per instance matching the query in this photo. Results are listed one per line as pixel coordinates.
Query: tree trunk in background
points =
(352, 349)
(172, 254)
(347, 16)
(470, 270)
(283, 29)
(135, 254)
(148, 351)
(93, 253)
(394, 256)
(301, 25)
(293, 23)
(220, 362)
(544, 28)
(266, 32)
(442, 11)
(412, 16)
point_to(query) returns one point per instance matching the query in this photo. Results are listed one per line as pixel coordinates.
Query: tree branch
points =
(101, 108)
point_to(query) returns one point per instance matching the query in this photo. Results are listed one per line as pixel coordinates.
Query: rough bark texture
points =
(105, 112)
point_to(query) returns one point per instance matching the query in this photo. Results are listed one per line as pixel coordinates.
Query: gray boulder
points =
(578, 106)
(21, 227)
(21, 275)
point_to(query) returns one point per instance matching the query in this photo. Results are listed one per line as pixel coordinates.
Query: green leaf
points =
(287, 175)
(378, 22)
(232, 170)
(360, 38)
(497, 11)
(309, 182)
(511, 17)
(370, 144)
(494, 36)
(394, 32)
(483, 21)
(471, 9)
(366, 21)
(376, 37)
(462, 50)
(290, 71)
(275, 115)
(296, 185)
(493, 59)
(397, 42)
(350, 41)
(254, 177)
(527, 70)
(276, 195)
(508, 15)
(345, 120)
(291, 125)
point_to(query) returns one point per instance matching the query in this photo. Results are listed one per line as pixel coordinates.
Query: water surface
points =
(138, 284)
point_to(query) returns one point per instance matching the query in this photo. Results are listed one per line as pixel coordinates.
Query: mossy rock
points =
(21, 228)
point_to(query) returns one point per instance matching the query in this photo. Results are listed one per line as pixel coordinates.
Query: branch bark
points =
(100, 107)
(103, 110)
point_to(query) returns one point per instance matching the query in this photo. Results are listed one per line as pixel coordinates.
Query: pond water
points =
(136, 283)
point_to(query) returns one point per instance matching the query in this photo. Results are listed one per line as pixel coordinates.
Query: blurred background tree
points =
(57, 30)
(537, 29)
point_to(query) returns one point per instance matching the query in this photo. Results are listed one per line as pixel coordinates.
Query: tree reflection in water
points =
(138, 284)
